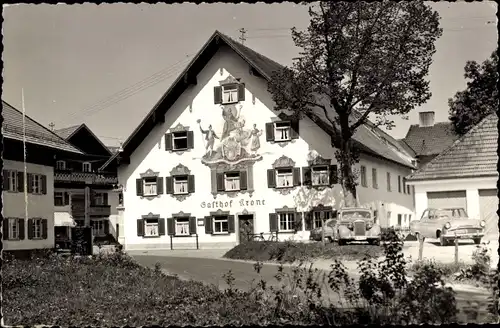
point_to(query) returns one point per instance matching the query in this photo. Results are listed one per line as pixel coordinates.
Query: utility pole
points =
(52, 125)
(242, 36)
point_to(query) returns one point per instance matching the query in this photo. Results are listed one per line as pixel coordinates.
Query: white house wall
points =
(39, 206)
(197, 103)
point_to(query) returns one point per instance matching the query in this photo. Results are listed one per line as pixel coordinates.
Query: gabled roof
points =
(65, 133)
(68, 132)
(473, 155)
(430, 140)
(36, 133)
(408, 149)
(264, 67)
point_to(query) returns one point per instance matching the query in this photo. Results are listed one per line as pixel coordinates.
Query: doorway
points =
(246, 227)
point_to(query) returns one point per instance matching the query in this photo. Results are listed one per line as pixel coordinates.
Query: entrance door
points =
(246, 224)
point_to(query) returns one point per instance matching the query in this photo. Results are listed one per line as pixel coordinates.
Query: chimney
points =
(426, 119)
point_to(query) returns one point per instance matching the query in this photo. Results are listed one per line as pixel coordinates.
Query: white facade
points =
(40, 206)
(196, 106)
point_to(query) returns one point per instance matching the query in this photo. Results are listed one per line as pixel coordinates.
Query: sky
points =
(107, 65)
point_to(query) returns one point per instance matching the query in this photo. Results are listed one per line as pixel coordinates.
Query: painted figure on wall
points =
(210, 137)
(255, 143)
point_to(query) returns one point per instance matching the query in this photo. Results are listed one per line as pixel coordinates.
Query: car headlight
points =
(350, 225)
(482, 224)
(368, 225)
(447, 225)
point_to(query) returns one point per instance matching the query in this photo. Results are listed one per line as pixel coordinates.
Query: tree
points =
(479, 99)
(358, 59)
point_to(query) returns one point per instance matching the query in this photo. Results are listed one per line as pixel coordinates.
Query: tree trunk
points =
(346, 159)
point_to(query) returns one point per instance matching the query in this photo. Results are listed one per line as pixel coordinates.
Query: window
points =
(151, 228)
(399, 219)
(180, 185)
(318, 220)
(37, 228)
(404, 186)
(13, 229)
(408, 189)
(282, 131)
(180, 140)
(363, 176)
(99, 198)
(404, 218)
(409, 217)
(97, 227)
(36, 183)
(11, 176)
(60, 165)
(59, 198)
(182, 227)
(388, 181)
(286, 221)
(87, 167)
(284, 178)
(221, 224)
(319, 175)
(374, 178)
(232, 181)
(150, 187)
(399, 183)
(229, 93)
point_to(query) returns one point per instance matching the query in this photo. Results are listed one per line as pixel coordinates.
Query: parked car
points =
(356, 224)
(448, 224)
(330, 229)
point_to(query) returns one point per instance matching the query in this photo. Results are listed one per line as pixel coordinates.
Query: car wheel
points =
(329, 239)
(443, 241)
(341, 242)
(477, 241)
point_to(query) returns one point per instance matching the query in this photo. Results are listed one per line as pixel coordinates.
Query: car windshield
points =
(450, 213)
(356, 214)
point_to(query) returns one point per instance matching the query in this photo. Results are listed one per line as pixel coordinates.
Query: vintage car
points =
(330, 229)
(448, 224)
(356, 224)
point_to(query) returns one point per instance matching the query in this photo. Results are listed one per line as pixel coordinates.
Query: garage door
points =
(447, 199)
(488, 206)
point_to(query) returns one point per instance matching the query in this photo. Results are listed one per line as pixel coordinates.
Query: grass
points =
(293, 251)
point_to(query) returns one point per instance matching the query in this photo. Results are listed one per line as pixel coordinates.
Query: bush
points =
(291, 251)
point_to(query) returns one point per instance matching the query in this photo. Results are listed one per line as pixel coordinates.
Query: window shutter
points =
(20, 181)
(66, 198)
(105, 198)
(220, 182)
(44, 228)
(273, 222)
(30, 228)
(140, 227)
(296, 176)
(269, 131)
(161, 227)
(192, 225)
(44, 184)
(294, 131)
(20, 223)
(271, 178)
(230, 223)
(308, 221)
(243, 180)
(168, 141)
(190, 140)
(333, 175)
(170, 185)
(241, 92)
(6, 182)
(106, 227)
(217, 95)
(30, 183)
(298, 221)
(208, 225)
(191, 185)
(5, 229)
(171, 226)
(139, 187)
(399, 183)
(117, 230)
(159, 185)
(306, 176)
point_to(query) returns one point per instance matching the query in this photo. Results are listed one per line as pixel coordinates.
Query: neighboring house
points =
(464, 175)
(28, 187)
(83, 192)
(213, 155)
(428, 139)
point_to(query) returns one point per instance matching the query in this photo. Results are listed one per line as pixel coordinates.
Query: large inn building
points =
(213, 153)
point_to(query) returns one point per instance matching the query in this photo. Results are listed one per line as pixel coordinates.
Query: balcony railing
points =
(85, 177)
(97, 210)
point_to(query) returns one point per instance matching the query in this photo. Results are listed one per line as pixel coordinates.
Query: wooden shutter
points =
(139, 187)
(241, 92)
(20, 181)
(306, 176)
(20, 223)
(30, 228)
(192, 225)
(168, 141)
(269, 131)
(273, 222)
(66, 198)
(44, 228)
(5, 229)
(6, 182)
(220, 182)
(171, 226)
(106, 227)
(217, 95)
(208, 225)
(104, 196)
(298, 221)
(296, 176)
(44, 184)
(333, 175)
(294, 131)
(399, 183)
(30, 183)
(243, 180)
(309, 221)
(159, 185)
(161, 227)
(271, 178)
(191, 185)
(170, 185)
(190, 140)
(140, 227)
(230, 223)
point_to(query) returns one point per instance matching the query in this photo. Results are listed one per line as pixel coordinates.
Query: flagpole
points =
(25, 165)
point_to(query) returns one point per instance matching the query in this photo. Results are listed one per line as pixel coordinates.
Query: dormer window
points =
(87, 167)
(60, 165)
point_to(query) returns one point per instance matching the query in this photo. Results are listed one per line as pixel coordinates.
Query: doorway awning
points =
(63, 220)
